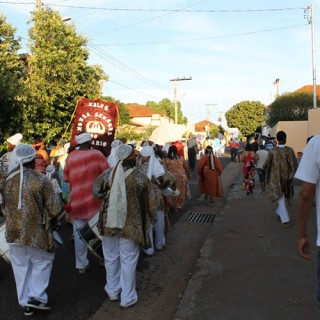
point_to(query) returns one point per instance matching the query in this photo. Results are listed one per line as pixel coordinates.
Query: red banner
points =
(99, 118)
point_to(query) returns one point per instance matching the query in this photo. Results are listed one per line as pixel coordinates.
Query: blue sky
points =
(233, 49)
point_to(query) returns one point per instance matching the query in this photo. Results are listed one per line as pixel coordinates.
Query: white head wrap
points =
(83, 137)
(117, 207)
(15, 139)
(149, 143)
(154, 168)
(50, 170)
(66, 147)
(23, 153)
(113, 158)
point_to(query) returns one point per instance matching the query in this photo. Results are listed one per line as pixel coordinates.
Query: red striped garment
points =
(81, 169)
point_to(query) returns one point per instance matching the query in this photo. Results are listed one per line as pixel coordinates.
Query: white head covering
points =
(50, 170)
(66, 147)
(124, 151)
(117, 207)
(154, 168)
(147, 143)
(23, 153)
(113, 158)
(15, 139)
(83, 137)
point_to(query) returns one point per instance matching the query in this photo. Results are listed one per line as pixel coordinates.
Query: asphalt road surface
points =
(74, 296)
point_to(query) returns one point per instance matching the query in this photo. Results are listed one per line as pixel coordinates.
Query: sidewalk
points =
(249, 267)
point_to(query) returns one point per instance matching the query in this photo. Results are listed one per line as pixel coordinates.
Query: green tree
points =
(247, 116)
(12, 73)
(59, 74)
(214, 131)
(168, 108)
(131, 134)
(290, 107)
(124, 116)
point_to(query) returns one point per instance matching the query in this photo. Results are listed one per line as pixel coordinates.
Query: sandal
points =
(285, 224)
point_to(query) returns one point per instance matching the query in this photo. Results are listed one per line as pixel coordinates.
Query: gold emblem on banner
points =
(95, 127)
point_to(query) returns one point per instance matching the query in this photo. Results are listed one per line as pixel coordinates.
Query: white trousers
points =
(282, 211)
(121, 257)
(32, 269)
(160, 240)
(80, 246)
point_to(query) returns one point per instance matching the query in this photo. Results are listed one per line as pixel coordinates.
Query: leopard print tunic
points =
(31, 224)
(142, 203)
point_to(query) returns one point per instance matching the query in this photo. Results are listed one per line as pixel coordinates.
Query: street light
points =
(65, 19)
(175, 96)
(310, 20)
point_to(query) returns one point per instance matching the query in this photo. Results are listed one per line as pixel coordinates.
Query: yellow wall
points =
(314, 122)
(298, 131)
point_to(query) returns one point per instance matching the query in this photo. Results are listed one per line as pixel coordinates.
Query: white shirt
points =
(263, 154)
(309, 171)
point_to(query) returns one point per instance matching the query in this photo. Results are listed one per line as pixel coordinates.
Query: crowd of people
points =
(129, 195)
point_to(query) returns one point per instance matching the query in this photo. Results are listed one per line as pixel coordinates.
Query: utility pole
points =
(38, 5)
(276, 83)
(310, 20)
(208, 105)
(220, 117)
(101, 83)
(175, 96)
(207, 127)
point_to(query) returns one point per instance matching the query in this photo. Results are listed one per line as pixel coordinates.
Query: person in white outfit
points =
(125, 218)
(160, 178)
(30, 204)
(112, 158)
(309, 173)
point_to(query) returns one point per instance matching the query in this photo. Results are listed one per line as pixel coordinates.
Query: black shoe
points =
(28, 311)
(36, 304)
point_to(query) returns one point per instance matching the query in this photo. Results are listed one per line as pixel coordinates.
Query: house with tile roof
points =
(144, 116)
(203, 126)
(309, 89)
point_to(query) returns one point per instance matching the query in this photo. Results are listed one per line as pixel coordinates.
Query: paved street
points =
(240, 265)
(74, 296)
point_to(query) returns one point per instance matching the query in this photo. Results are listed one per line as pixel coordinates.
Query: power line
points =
(150, 19)
(124, 68)
(204, 38)
(161, 10)
(144, 93)
(117, 63)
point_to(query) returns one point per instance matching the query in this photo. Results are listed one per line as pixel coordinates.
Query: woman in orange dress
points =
(178, 167)
(209, 171)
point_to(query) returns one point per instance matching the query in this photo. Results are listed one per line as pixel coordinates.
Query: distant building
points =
(143, 116)
(309, 89)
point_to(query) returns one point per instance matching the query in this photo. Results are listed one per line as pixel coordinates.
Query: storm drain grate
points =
(200, 217)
